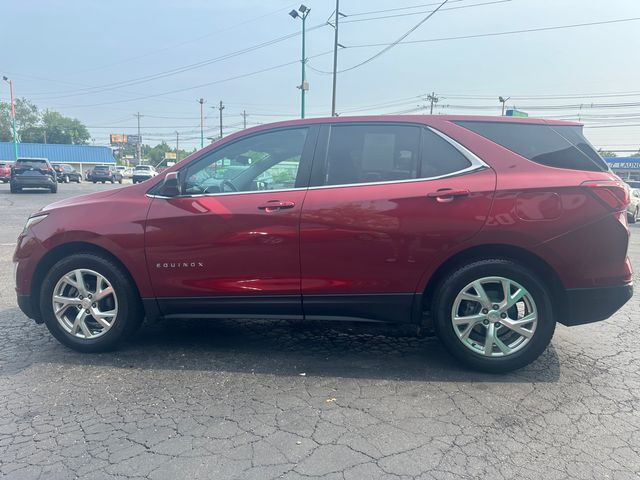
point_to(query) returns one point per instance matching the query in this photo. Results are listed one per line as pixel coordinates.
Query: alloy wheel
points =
(85, 303)
(494, 316)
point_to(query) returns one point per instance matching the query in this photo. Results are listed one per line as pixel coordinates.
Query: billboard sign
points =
(120, 138)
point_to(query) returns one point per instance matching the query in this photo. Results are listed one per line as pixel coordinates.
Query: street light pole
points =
(13, 117)
(303, 12)
(503, 101)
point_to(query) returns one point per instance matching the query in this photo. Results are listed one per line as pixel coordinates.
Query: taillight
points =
(614, 195)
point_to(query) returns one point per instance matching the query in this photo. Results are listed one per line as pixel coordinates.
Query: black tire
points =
(634, 218)
(130, 312)
(54, 189)
(120, 181)
(94, 181)
(458, 279)
(103, 182)
(65, 179)
(78, 180)
(112, 181)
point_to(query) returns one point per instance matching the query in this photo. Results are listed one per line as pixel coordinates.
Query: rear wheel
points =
(89, 303)
(494, 315)
(66, 179)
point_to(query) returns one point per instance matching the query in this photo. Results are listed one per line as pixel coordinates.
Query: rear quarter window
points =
(560, 146)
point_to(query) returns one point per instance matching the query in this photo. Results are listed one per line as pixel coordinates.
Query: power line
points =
(402, 37)
(236, 77)
(384, 17)
(177, 70)
(495, 34)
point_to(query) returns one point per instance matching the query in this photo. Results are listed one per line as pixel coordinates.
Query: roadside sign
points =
(516, 113)
(170, 155)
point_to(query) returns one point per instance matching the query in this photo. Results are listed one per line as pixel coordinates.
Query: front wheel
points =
(89, 303)
(494, 315)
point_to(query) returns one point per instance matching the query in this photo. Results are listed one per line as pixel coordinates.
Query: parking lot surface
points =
(252, 400)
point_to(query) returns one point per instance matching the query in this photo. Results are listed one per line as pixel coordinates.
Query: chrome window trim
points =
(477, 164)
(221, 194)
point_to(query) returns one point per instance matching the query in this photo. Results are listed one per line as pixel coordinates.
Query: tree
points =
(34, 126)
(606, 153)
(637, 154)
(27, 119)
(57, 128)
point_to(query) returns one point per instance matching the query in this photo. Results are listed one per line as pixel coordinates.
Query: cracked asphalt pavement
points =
(253, 400)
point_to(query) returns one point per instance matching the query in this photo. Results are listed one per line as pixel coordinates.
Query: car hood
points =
(82, 199)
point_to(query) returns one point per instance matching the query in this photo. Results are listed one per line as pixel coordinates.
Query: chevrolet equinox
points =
(487, 229)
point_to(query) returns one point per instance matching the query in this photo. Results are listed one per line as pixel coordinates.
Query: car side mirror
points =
(171, 185)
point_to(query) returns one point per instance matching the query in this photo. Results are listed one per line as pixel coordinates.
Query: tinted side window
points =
(554, 146)
(371, 153)
(439, 157)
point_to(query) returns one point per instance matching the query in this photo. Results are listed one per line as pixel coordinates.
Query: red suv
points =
(490, 230)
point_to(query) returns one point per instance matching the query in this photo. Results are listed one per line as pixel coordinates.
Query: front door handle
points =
(446, 195)
(273, 205)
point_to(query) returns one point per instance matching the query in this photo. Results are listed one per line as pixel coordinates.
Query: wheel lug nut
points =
(87, 311)
(496, 307)
(93, 305)
(80, 297)
(484, 310)
(503, 315)
(485, 322)
(89, 295)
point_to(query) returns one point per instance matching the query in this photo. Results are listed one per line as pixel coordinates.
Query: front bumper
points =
(587, 305)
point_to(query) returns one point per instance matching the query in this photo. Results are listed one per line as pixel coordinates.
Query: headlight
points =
(33, 221)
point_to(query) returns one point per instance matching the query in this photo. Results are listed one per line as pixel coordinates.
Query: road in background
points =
(238, 399)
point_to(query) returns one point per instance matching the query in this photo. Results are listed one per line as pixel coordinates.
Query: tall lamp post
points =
(302, 13)
(13, 117)
(503, 101)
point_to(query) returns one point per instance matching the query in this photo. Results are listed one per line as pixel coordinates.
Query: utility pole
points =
(335, 59)
(177, 146)
(433, 100)
(221, 107)
(13, 117)
(244, 118)
(139, 142)
(503, 101)
(201, 102)
(304, 86)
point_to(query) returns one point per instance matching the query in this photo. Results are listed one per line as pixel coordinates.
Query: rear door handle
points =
(446, 195)
(273, 205)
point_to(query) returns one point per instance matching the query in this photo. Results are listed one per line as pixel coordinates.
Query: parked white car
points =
(143, 172)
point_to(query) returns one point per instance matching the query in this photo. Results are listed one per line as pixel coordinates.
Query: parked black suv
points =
(105, 173)
(66, 173)
(33, 173)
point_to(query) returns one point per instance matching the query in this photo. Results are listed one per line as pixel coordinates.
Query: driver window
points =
(267, 161)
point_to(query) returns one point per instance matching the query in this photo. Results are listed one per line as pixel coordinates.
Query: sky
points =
(104, 61)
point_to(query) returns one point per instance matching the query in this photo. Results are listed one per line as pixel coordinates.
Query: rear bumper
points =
(587, 305)
(35, 182)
